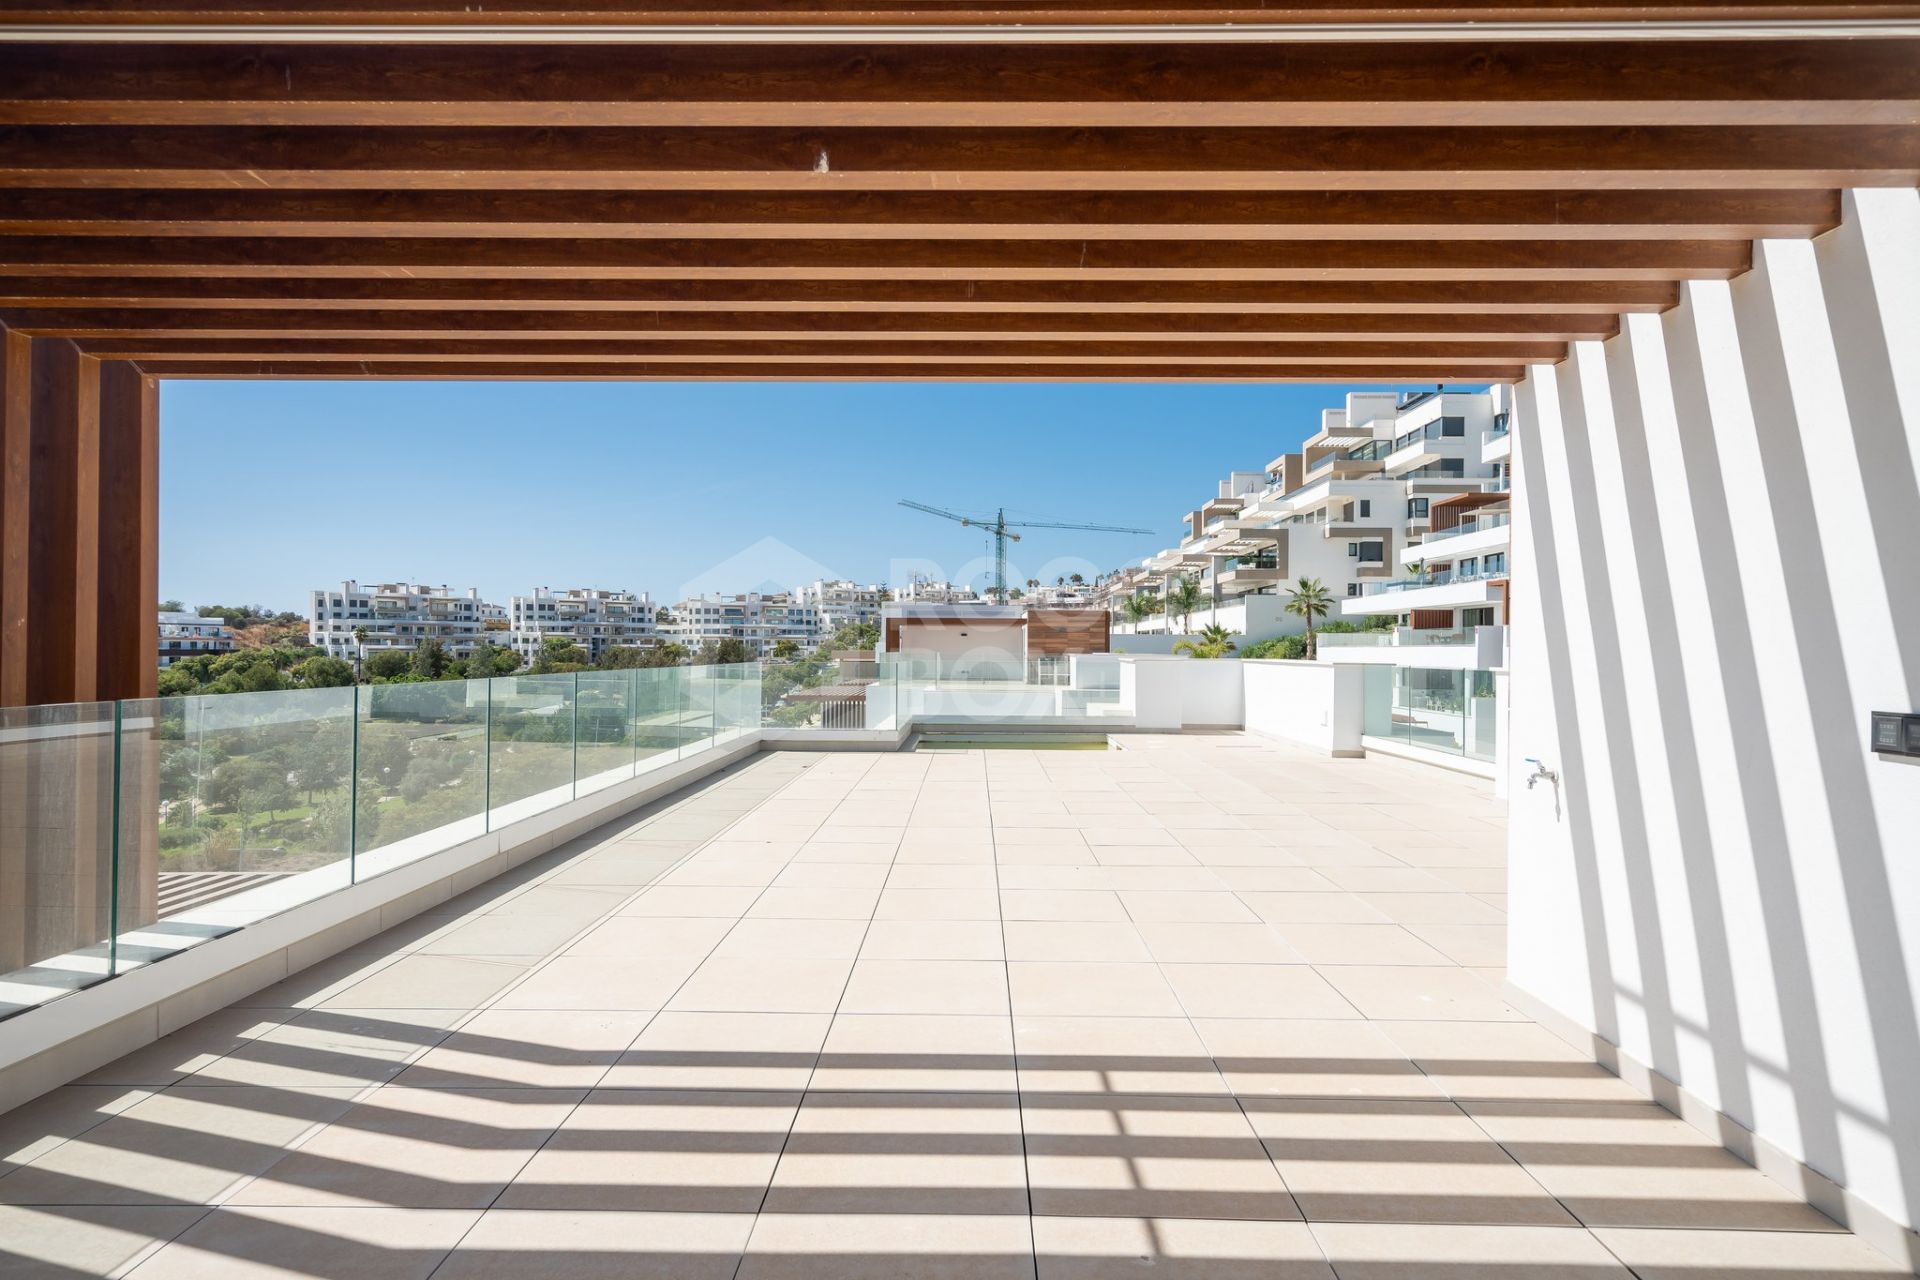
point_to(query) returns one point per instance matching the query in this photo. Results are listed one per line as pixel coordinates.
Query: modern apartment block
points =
(1382, 474)
(842, 603)
(919, 590)
(593, 619)
(760, 620)
(396, 615)
(188, 635)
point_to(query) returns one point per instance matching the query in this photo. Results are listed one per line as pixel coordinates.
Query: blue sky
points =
(270, 489)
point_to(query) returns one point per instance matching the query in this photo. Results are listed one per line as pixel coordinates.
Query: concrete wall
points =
(1312, 703)
(1720, 511)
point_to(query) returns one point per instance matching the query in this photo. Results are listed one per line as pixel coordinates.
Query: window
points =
(1453, 426)
(1497, 562)
(1353, 588)
(1366, 507)
(1469, 566)
(1477, 617)
(1353, 549)
(1417, 508)
(1373, 553)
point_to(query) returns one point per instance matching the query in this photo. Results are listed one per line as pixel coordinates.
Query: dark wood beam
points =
(960, 294)
(1677, 157)
(1270, 83)
(808, 371)
(1298, 215)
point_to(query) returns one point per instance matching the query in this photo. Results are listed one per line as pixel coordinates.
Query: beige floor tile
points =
(323, 1048)
(814, 904)
(1068, 876)
(927, 1052)
(1194, 879)
(693, 1152)
(1745, 1255)
(938, 904)
(416, 1149)
(646, 937)
(1387, 881)
(580, 901)
(504, 935)
(794, 939)
(1255, 991)
(1187, 943)
(1450, 907)
(1149, 1156)
(1368, 944)
(719, 873)
(1313, 908)
(430, 982)
(927, 986)
(1275, 879)
(1145, 906)
(1636, 1164)
(944, 875)
(47, 1242)
(29, 1132)
(1060, 904)
(1176, 1249)
(1416, 993)
(897, 1246)
(1398, 1251)
(1308, 1058)
(677, 900)
(257, 1243)
(741, 984)
(514, 1244)
(761, 1051)
(601, 982)
(1477, 945)
(188, 1145)
(1144, 855)
(933, 940)
(872, 853)
(1074, 940)
(1113, 1055)
(1380, 1161)
(902, 1153)
(537, 1047)
(832, 875)
(192, 1048)
(1115, 989)
(1505, 1060)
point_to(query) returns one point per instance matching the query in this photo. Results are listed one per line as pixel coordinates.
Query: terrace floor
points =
(1203, 1007)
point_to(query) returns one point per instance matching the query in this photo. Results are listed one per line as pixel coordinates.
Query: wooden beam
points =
(16, 512)
(810, 371)
(922, 215)
(1674, 157)
(1360, 84)
(270, 290)
(129, 502)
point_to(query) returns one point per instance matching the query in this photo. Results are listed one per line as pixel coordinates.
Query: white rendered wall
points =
(1720, 510)
(1314, 703)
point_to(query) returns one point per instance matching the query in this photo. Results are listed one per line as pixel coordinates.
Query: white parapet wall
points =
(1313, 703)
(1720, 512)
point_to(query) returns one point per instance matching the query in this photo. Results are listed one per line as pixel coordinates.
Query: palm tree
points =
(1215, 641)
(1309, 600)
(1137, 608)
(360, 650)
(1183, 593)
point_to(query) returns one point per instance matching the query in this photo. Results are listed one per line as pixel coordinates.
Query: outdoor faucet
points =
(1540, 772)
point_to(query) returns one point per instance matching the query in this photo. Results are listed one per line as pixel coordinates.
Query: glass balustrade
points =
(1450, 711)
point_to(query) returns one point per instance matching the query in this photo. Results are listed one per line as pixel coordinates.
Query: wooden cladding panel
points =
(1063, 631)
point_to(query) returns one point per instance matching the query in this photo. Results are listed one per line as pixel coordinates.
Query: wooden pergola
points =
(1355, 191)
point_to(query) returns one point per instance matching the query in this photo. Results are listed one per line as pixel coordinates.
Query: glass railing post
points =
(113, 866)
(353, 794)
(486, 759)
(574, 770)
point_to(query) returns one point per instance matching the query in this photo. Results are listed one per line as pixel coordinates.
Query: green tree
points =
(726, 651)
(430, 659)
(359, 649)
(322, 673)
(172, 606)
(785, 650)
(483, 662)
(1138, 607)
(319, 769)
(1310, 600)
(1183, 593)
(1214, 641)
(665, 654)
(247, 787)
(558, 653)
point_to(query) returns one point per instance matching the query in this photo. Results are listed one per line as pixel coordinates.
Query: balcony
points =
(1487, 532)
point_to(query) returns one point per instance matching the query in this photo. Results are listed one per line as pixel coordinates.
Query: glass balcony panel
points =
(422, 770)
(531, 745)
(56, 851)
(656, 716)
(605, 717)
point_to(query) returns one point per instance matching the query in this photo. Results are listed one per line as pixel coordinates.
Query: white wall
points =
(1720, 508)
(1315, 703)
(1181, 692)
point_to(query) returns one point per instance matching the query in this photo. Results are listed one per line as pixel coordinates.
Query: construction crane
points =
(1002, 530)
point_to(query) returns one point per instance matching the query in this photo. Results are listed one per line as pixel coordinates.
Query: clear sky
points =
(271, 489)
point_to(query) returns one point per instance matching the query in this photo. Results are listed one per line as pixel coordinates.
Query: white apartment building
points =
(396, 615)
(762, 621)
(921, 590)
(1385, 472)
(593, 619)
(188, 635)
(841, 603)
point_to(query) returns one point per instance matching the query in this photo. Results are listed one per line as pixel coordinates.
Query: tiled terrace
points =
(1204, 1007)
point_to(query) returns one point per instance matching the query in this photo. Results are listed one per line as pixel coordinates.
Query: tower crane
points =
(1002, 530)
